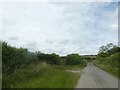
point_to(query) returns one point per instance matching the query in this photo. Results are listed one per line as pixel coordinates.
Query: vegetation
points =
(13, 57)
(89, 58)
(109, 58)
(23, 69)
(75, 59)
(49, 58)
(40, 76)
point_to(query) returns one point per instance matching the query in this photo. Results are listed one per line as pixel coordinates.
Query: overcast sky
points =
(61, 28)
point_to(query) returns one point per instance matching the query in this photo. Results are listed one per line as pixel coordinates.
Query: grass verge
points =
(111, 70)
(41, 76)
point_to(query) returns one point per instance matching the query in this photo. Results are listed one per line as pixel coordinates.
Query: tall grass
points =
(40, 76)
(112, 70)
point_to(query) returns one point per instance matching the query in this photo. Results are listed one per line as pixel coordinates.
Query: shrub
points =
(49, 58)
(75, 59)
(14, 57)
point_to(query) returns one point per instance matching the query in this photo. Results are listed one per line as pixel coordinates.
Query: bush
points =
(53, 58)
(110, 59)
(49, 58)
(14, 57)
(75, 59)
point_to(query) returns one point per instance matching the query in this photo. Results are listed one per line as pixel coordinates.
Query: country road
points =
(93, 77)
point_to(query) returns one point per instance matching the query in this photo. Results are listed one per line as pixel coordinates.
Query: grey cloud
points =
(32, 46)
(15, 38)
(50, 41)
(64, 42)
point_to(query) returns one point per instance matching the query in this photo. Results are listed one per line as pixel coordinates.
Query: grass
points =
(73, 67)
(111, 70)
(41, 76)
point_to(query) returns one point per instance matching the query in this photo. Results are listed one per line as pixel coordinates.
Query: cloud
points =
(32, 46)
(15, 38)
(64, 42)
(61, 28)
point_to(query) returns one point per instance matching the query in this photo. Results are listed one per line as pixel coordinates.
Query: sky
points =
(59, 27)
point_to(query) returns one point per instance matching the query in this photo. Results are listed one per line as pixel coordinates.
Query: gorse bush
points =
(75, 59)
(49, 58)
(15, 57)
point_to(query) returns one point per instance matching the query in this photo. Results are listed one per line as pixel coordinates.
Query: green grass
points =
(41, 76)
(73, 67)
(111, 70)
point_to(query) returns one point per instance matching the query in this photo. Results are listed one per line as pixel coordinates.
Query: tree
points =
(108, 50)
(102, 49)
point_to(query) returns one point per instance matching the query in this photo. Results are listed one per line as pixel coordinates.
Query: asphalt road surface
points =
(93, 77)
